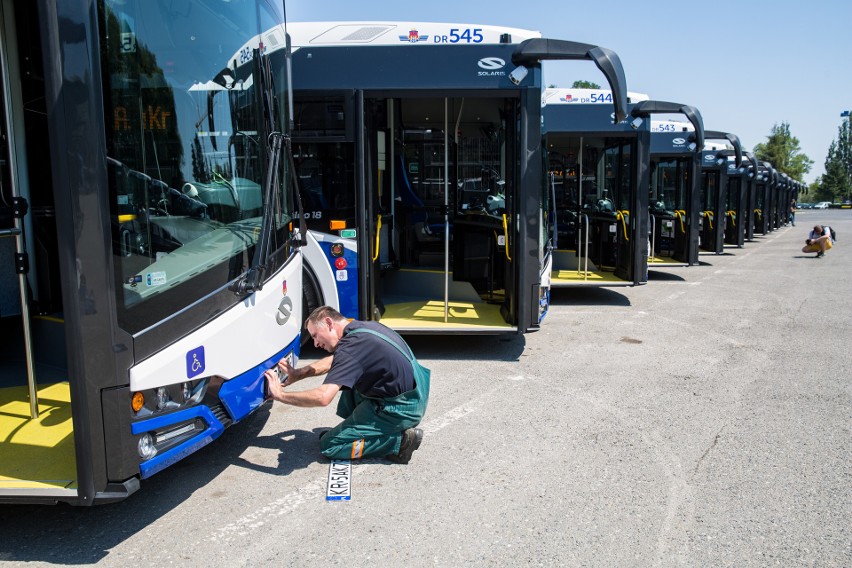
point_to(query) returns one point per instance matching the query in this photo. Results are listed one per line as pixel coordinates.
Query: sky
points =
(746, 65)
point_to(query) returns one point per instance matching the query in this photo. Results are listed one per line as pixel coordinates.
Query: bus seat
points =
(417, 215)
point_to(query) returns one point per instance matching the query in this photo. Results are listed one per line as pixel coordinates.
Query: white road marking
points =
(317, 488)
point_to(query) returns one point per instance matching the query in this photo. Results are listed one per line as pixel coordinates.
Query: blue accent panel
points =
(347, 290)
(173, 455)
(244, 393)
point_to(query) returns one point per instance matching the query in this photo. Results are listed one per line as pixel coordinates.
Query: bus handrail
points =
(378, 236)
(653, 236)
(544, 49)
(506, 237)
(622, 216)
(680, 215)
(586, 222)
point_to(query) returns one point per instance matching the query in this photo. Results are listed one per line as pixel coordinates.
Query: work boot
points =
(411, 440)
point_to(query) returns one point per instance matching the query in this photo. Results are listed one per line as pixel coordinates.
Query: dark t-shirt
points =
(369, 364)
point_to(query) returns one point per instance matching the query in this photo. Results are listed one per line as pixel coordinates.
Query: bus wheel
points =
(311, 300)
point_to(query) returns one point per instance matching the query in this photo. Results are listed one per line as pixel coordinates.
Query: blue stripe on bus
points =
(173, 455)
(244, 393)
(240, 396)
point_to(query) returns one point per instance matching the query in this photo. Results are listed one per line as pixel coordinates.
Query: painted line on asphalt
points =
(316, 489)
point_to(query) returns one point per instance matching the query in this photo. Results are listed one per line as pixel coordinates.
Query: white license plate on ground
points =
(339, 486)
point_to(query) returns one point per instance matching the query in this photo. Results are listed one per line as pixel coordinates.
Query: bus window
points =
(186, 159)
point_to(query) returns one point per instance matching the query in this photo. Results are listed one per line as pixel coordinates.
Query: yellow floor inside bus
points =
(37, 454)
(664, 261)
(429, 315)
(591, 277)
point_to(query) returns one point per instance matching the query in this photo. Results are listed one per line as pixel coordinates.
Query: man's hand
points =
(289, 373)
(274, 386)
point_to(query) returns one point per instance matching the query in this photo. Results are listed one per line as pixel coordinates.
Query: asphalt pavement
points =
(700, 420)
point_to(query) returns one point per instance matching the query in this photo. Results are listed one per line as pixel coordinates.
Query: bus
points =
(763, 197)
(150, 238)
(738, 216)
(418, 149)
(714, 170)
(674, 196)
(598, 175)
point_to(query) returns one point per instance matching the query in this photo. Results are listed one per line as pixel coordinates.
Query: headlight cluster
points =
(165, 398)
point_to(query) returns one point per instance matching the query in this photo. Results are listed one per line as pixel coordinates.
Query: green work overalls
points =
(373, 426)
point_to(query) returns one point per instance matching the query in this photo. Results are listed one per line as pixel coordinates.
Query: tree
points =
(584, 85)
(782, 150)
(836, 183)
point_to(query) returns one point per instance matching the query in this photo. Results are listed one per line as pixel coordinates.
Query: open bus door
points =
(761, 198)
(38, 449)
(596, 168)
(749, 196)
(672, 195)
(735, 202)
(714, 170)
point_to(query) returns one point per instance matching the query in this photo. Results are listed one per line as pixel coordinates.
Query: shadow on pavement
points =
(62, 534)
(597, 296)
(659, 276)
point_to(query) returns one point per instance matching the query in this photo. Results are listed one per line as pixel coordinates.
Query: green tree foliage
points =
(782, 150)
(836, 183)
(584, 85)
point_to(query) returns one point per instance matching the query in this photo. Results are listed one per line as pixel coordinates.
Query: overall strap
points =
(388, 339)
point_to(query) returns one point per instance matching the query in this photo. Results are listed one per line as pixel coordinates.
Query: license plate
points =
(339, 481)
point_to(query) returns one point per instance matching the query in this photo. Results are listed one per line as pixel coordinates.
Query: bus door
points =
(596, 186)
(749, 196)
(37, 446)
(671, 209)
(711, 223)
(734, 207)
(760, 224)
(324, 158)
(440, 212)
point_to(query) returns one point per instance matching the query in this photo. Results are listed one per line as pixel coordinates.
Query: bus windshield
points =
(187, 146)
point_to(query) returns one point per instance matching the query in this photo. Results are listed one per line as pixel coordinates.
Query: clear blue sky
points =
(745, 65)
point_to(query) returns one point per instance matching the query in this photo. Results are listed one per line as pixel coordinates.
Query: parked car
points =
(823, 205)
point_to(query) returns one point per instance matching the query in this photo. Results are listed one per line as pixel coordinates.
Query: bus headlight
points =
(147, 450)
(162, 398)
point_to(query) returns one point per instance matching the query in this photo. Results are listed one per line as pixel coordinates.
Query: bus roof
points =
(304, 34)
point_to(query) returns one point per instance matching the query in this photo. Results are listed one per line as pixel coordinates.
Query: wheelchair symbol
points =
(195, 362)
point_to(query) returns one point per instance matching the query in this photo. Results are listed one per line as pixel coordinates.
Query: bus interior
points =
(438, 213)
(593, 186)
(37, 450)
(670, 210)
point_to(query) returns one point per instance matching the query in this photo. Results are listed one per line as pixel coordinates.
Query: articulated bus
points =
(714, 171)
(150, 265)
(598, 176)
(675, 195)
(418, 149)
